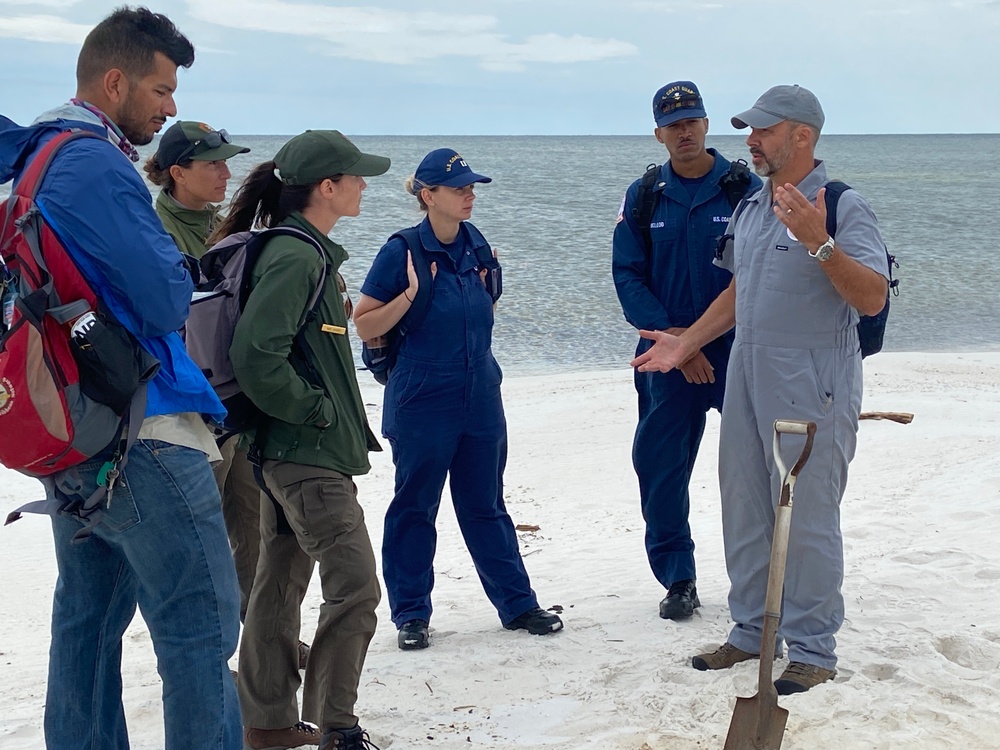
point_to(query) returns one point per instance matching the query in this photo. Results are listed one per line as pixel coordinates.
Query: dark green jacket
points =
(189, 227)
(318, 418)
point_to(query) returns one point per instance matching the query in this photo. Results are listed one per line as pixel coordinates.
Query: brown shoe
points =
(799, 677)
(303, 654)
(723, 657)
(279, 739)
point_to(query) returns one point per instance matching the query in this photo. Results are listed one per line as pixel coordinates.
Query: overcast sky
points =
(537, 66)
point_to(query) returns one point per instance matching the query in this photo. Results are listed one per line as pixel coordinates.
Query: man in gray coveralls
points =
(795, 299)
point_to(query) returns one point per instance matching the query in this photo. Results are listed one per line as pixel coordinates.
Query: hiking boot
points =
(723, 657)
(279, 739)
(799, 677)
(413, 635)
(355, 738)
(681, 600)
(303, 654)
(536, 621)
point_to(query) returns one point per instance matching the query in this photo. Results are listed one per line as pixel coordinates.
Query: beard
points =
(774, 163)
(134, 123)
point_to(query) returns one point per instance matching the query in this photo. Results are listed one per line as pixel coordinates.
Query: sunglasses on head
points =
(686, 101)
(212, 139)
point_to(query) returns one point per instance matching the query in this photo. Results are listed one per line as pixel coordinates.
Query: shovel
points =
(759, 722)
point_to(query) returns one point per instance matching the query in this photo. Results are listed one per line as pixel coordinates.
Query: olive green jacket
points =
(189, 227)
(317, 415)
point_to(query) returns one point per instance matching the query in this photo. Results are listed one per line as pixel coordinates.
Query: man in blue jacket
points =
(161, 543)
(666, 280)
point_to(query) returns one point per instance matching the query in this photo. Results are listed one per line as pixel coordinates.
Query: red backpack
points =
(68, 369)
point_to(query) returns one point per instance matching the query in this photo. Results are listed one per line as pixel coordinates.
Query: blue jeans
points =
(162, 545)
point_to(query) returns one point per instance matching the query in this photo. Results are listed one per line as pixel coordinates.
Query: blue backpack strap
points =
(425, 280)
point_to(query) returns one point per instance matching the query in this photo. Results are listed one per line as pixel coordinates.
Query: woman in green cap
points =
(314, 439)
(190, 167)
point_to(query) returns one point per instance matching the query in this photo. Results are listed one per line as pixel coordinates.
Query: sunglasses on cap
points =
(211, 139)
(685, 101)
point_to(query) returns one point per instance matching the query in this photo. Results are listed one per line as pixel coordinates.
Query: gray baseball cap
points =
(782, 103)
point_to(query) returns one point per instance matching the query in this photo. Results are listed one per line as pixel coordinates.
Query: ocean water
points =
(551, 211)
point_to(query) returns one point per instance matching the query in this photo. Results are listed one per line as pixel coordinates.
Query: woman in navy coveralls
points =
(443, 414)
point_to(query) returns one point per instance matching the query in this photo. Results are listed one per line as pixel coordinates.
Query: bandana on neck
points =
(115, 134)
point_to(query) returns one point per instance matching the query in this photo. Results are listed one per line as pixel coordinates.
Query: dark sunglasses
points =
(684, 102)
(212, 139)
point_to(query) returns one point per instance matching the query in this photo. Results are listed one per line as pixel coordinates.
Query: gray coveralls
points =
(795, 356)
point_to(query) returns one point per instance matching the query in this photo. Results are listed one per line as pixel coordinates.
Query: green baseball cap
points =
(187, 140)
(317, 154)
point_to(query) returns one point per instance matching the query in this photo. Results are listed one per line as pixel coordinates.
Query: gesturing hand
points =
(664, 355)
(807, 222)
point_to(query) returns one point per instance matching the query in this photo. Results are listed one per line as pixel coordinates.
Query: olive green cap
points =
(317, 154)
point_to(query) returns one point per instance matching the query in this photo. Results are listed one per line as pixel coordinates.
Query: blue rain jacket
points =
(96, 202)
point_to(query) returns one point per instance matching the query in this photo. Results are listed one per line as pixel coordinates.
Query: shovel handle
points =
(792, 427)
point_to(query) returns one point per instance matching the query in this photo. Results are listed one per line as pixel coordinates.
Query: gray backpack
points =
(216, 307)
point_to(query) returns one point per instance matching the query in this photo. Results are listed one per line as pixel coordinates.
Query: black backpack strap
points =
(645, 204)
(736, 182)
(300, 349)
(723, 242)
(486, 261)
(256, 245)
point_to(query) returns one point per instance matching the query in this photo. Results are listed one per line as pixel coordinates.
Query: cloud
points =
(659, 6)
(42, 3)
(401, 38)
(44, 29)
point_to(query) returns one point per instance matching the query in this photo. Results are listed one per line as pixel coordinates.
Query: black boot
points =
(536, 621)
(681, 601)
(354, 738)
(413, 635)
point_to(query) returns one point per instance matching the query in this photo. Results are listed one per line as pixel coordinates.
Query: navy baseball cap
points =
(679, 100)
(782, 103)
(446, 167)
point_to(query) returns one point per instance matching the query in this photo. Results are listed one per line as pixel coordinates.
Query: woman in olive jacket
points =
(315, 439)
(190, 167)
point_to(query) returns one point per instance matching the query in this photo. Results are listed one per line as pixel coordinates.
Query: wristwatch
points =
(824, 252)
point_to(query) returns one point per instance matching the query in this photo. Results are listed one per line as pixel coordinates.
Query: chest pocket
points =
(789, 268)
(663, 234)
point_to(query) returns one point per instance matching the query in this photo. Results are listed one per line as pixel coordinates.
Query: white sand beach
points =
(919, 652)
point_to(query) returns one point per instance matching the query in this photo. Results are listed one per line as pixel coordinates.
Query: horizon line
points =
(590, 135)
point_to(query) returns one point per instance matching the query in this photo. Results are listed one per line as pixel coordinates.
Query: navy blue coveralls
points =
(443, 415)
(671, 286)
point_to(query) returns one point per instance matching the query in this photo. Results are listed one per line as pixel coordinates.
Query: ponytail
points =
(262, 201)
(157, 175)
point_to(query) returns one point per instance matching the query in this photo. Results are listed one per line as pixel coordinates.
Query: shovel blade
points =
(749, 730)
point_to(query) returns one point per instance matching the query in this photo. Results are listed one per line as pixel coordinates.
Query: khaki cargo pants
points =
(329, 528)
